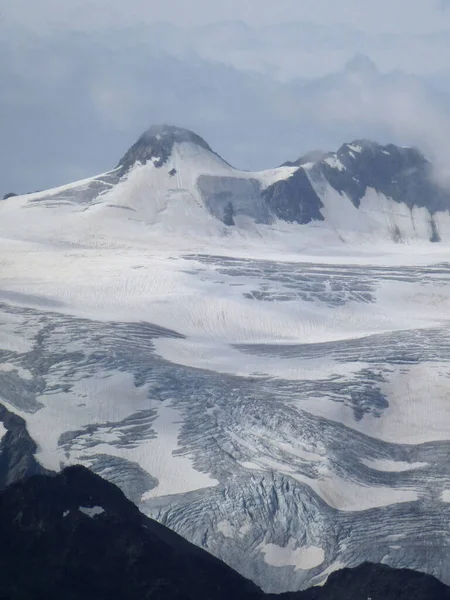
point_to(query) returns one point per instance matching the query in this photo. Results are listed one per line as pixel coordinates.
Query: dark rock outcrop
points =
(294, 199)
(402, 174)
(375, 582)
(17, 450)
(156, 144)
(76, 536)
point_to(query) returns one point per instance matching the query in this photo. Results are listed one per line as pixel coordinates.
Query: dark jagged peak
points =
(389, 153)
(400, 173)
(314, 156)
(361, 64)
(376, 161)
(156, 145)
(359, 146)
(9, 195)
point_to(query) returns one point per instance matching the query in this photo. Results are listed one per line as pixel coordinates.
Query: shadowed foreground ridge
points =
(76, 536)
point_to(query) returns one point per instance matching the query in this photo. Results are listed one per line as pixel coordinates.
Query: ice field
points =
(278, 393)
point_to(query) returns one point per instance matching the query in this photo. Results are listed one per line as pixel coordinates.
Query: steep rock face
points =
(294, 199)
(376, 582)
(17, 450)
(402, 174)
(76, 536)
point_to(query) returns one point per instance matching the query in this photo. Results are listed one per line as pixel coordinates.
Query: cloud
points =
(301, 49)
(78, 114)
(383, 15)
(401, 107)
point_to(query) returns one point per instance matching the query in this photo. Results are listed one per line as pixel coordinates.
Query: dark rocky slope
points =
(375, 582)
(17, 450)
(53, 546)
(74, 536)
(402, 174)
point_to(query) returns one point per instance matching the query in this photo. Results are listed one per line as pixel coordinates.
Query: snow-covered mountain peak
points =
(370, 147)
(259, 359)
(156, 145)
(171, 181)
(367, 156)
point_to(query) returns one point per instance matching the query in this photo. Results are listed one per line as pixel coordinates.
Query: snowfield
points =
(276, 392)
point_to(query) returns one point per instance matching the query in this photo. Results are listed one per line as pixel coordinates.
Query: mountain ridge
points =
(170, 170)
(81, 538)
(258, 359)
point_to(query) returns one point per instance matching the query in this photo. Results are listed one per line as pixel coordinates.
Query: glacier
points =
(260, 361)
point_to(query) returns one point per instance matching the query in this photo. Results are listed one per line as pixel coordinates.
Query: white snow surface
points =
(304, 558)
(357, 148)
(334, 163)
(92, 511)
(174, 473)
(136, 255)
(3, 430)
(392, 466)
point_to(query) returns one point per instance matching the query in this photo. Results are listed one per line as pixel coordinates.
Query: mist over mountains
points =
(74, 100)
(238, 316)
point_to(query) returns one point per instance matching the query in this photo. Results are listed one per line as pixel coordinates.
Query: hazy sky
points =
(82, 79)
(406, 16)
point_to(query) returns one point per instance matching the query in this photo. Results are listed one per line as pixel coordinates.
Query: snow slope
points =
(274, 389)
